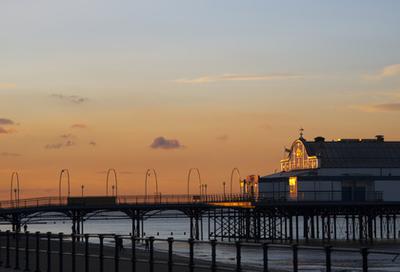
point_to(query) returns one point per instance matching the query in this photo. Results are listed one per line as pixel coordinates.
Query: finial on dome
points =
(301, 132)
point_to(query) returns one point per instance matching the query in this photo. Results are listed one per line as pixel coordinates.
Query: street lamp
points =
(113, 188)
(223, 184)
(15, 197)
(82, 187)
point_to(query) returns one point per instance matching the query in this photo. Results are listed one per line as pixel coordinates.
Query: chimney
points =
(319, 139)
(380, 138)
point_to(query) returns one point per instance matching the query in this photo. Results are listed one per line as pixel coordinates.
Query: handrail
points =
(148, 254)
(182, 199)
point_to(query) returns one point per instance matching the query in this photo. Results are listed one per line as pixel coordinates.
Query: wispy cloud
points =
(72, 99)
(388, 71)
(6, 86)
(66, 136)
(92, 143)
(3, 130)
(79, 125)
(67, 143)
(9, 154)
(384, 107)
(5, 121)
(238, 77)
(163, 143)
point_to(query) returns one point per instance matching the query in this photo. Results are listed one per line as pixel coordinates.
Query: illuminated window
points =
(293, 187)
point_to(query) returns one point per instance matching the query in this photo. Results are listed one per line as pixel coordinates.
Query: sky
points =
(174, 85)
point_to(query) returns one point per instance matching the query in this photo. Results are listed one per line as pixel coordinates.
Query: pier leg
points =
(328, 223)
(394, 227)
(387, 227)
(334, 227)
(312, 227)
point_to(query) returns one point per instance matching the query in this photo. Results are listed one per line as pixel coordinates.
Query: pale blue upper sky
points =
(64, 41)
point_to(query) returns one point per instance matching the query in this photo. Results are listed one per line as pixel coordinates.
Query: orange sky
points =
(90, 87)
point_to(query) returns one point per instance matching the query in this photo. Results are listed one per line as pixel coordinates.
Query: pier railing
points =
(125, 200)
(106, 252)
(278, 196)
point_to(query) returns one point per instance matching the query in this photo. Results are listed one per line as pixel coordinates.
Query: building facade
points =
(342, 170)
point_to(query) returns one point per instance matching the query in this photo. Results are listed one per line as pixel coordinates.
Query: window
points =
(293, 188)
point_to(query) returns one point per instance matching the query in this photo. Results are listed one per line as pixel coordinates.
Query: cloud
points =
(4, 86)
(388, 71)
(5, 121)
(66, 136)
(78, 125)
(6, 131)
(54, 146)
(222, 138)
(385, 107)
(92, 143)
(163, 143)
(72, 99)
(8, 154)
(237, 77)
(67, 143)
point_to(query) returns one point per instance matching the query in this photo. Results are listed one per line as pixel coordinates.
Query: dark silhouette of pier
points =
(228, 216)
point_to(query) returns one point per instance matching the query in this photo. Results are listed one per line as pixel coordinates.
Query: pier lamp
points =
(82, 187)
(237, 172)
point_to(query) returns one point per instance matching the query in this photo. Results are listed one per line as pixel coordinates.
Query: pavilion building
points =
(341, 170)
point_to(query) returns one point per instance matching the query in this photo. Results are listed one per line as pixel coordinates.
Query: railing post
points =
(101, 253)
(73, 252)
(16, 250)
(238, 256)
(328, 251)
(48, 251)
(265, 256)
(27, 237)
(60, 252)
(191, 254)
(364, 254)
(1, 237)
(7, 249)
(37, 251)
(116, 253)
(151, 254)
(295, 258)
(213, 255)
(133, 249)
(86, 252)
(170, 249)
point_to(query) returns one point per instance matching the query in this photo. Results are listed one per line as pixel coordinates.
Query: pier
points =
(233, 217)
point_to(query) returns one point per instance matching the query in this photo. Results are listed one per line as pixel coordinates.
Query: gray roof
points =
(355, 153)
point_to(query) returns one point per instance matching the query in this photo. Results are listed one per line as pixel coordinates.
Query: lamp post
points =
(82, 187)
(113, 188)
(223, 184)
(15, 197)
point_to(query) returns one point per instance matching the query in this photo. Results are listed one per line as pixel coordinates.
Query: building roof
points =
(354, 153)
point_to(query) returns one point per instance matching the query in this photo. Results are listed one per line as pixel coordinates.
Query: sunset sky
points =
(170, 85)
